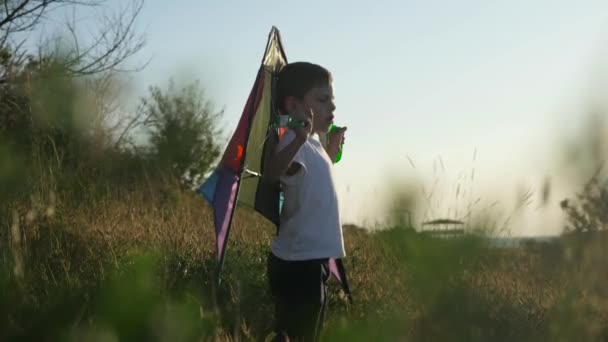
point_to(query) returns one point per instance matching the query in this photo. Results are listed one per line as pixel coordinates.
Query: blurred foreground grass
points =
(138, 265)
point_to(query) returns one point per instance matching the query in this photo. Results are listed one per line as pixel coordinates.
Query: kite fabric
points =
(237, 178)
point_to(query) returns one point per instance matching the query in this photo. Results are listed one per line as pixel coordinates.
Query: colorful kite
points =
(237, 178)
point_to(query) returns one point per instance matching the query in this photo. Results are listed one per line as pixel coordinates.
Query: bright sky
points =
(424, 79)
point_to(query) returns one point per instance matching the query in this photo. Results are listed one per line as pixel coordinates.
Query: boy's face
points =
(320, 101)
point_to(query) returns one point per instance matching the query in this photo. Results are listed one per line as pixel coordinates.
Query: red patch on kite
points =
(239, 152)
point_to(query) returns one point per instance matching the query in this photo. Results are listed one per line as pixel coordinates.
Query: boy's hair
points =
(298, 78)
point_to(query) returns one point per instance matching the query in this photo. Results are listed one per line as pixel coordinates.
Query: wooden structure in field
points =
(443, 228)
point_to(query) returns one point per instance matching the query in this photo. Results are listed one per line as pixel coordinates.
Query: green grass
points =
(139, 264)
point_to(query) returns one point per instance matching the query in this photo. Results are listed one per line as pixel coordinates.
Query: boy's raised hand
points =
(304, 115)
(336, 138)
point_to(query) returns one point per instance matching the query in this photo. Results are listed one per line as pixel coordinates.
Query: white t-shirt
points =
(310, 225)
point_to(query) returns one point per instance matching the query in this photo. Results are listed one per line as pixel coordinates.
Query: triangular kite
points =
(237, 178)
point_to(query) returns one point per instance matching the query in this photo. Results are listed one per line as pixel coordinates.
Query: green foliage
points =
(589, 212)
(579, 313)
(41, 117)
(12, 173)
(182, 130)
(131, 305)
(140, 268)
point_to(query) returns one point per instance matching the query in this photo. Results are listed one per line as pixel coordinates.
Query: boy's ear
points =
(291, 104)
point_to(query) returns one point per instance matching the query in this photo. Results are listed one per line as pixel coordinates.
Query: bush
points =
(183, 133)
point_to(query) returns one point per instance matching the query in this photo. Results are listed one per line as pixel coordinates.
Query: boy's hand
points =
(304, 115)
(336, 138)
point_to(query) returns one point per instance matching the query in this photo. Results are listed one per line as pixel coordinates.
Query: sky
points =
(431, 91)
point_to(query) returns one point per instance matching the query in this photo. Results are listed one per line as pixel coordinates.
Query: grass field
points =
(137, 264)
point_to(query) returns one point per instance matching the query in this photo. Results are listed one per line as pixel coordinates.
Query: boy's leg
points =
(299, 289)
(278, 288)
(325, 274)
(312, 300)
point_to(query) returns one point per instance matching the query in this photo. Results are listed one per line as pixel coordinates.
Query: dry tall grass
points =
(139, 264)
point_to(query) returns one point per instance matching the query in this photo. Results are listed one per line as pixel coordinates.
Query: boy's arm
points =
(282, 161)
(332, 151)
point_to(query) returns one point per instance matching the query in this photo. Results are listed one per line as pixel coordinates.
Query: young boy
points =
(310, 229)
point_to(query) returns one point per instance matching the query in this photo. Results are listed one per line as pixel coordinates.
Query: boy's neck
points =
(314, 135)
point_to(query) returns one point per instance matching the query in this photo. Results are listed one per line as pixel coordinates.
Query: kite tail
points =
(336, 267)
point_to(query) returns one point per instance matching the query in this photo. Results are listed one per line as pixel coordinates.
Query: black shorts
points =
(299, 289)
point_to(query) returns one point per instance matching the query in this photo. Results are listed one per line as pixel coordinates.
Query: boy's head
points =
(304, 87)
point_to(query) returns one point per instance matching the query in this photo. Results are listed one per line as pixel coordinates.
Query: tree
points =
(62, 71)
(108, 49)
(584, 161)
(183, 131)
(589, 211)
